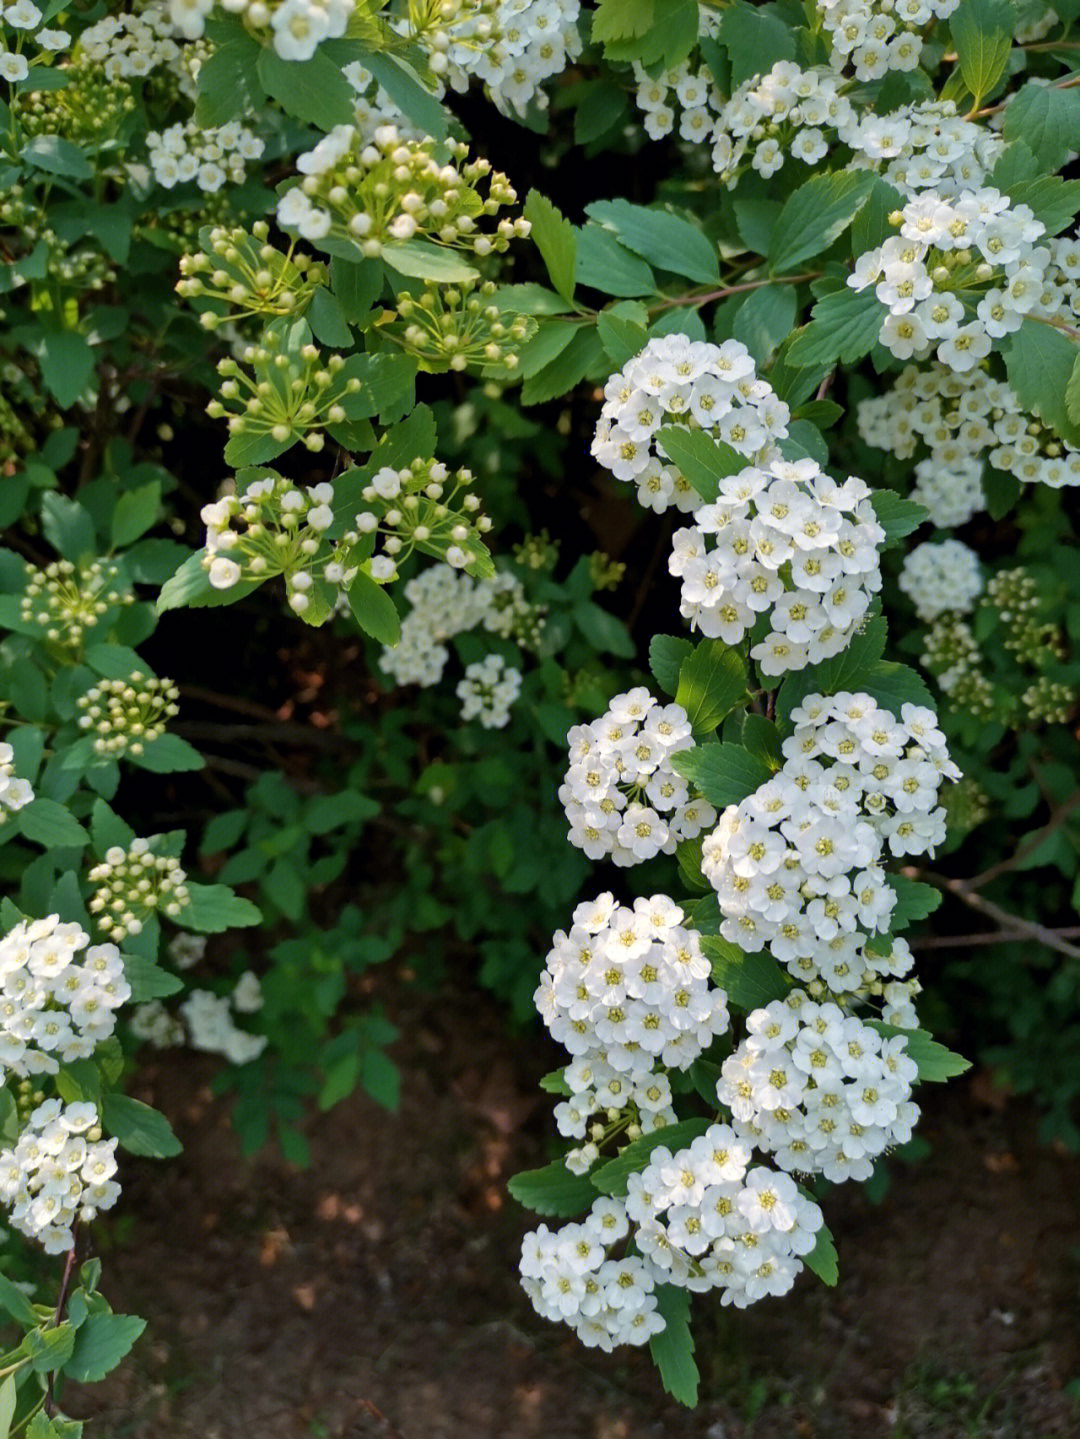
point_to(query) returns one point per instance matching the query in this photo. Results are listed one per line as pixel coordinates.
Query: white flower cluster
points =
(876, 36)
(512, 46)
(675, 380)
(60, 1170)
(374, 107)
(940, 576)
(926, 147)
(626, 991)
(210, 156)
(963, 420)
(131, 46)
(127, 715)
(571, 1278)
(14, 792)
(296, 27)
(797, 865)
(153, 1023)
(487, 692)
(446, 603)
(819, 1089)
(785, 518)
(134, 883)
(622, 796)
(211, 1027)
(706, 1220)
(962, 273)
(23, 18)
(186, 950)
(55, 1005)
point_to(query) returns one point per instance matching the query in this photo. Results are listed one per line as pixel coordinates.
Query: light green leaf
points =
(149, 980)
(57, 156)
(983, 33)
(14, 1302)
(823, 1259)
(621, 337)
(555, 238)
(621, 19)
(1072, 392)
(8, 1399)
(699, 458)
(167, 754)
(663, 239)
(712, 681)
(750, 981)
(67, 364)
(101, 1342)
(49, 824)
(755, 37)
(897, 515)
(1046, 119)
(409, 94)
(315, 90)
(138, 1128)
(215, 907)
(666, 655)
(844, 326)
(374, 610)
(553, 1190)
(936, 1063)
(816, 215)
(724, 773)
(421, 260)
(672, 1349)
(68, 527)
(913, 900)
(605, 265)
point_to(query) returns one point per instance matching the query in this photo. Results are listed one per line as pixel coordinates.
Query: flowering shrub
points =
(278, 335)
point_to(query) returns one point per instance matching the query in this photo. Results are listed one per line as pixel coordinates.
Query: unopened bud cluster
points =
(246, 273)
(285, 389)
(381, 192)
(65, 599)
(1015, 597)
(423, 506)
(453, 327)
(951, 653)
(127, 715)
(134, 883)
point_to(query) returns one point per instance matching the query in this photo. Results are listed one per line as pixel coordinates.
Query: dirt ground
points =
(376, 1295)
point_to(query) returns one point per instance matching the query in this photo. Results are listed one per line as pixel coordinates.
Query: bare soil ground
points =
(376, 1295)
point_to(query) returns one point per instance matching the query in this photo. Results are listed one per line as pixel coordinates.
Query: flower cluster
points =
(14, 792)
(450, 327)
(622, 796)
(571, 1278)
(926, 147)
(488, 690)
(20, 25)
(423, 507)
(373, 194)
(186, 950)
(60, 1170)
(374, 107)
(211, 1027)
(209, 157)
(66, 599)
(964, 420)
(132, 46)
(292, 394)
(787, 518)
(951, 653)
(152, 1023)
(940, 576)
(684, 382)
(627, 991)
(876, 36)
(821, 1090)
(243, 272)
(961, 273)
(797, 865)
(295, 28)
(133, 884)
(56, 1003)
(127, 715)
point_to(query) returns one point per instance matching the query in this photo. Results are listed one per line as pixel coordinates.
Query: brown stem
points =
(1057, 819)
(990, 936)
(61, 1301)
(1012, 924)
(662, 542)
(711, 295)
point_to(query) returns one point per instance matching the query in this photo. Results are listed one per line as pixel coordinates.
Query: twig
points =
(377, 1414)
(61, 1301)
(1057, 819)
(1013, 924)
(989, 936)
(711, 295)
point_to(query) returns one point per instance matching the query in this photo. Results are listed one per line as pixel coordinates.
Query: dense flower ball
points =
(59, 1170)
(676, 381)
(787, 541)
(621, 794)
(487, 692)
(940, 576)
(211, 1027)
(819, 1089)
(57, 996)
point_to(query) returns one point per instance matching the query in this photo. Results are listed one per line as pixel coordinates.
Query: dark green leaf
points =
(663, 239)
(556, 240)
(750, 981)
(214, 907)
(666, 656)
(611, 1177)
(672, 1349)
(374, 610)
(712, 681)
(816, 215)
(553, 1190)
(723, 773)
(101, 1341)
(701, 459)
(138, 1128)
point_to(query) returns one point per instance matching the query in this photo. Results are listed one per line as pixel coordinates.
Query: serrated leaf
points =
(215, 907)
(138, 1128)
(409, 94)
(913, 900)
(555, 238)
(844, 326)
(621, 337)
(619, 19)
(190, 586)
(666, 656)
(167, 754)
(765, 320)
(660, 237)
(672, 1349)
(420, 260)
(610, 1178)
(315, 90)
(750, 981)
(983, 31)
(1072, 392)
(897, 515)
(816, 215)
(712, 681)
(936, 1063)
(823, 1259)
(148, 980)
(136, 511)
(374, 610)
(56, 156)
(553, 1190)
(724, 773)
(701, 459)
(605, 265)
(49, 824)
(755, 37)
(849, 670)
(1039, 361)
(554, 1083)
(101, 1341)
(1046, 119)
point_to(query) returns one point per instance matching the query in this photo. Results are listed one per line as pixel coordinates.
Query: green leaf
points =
(663, 239)
(556, 240)
(605, 633)
(672, 1349)
(701, 459)
(68, 527)
(49, 1348)
(166, 755)
(214, 907)
(1002, 491)
(894, 686)
(545, 347)
(330, 811)
(553, 1190)
(149, 980)
(405, 88)
(712, 681)
(816, 215)
(1072, 392)
(621, 337)
(765, 320)
(1039, 361)
(913, 900)
(115, 662)
(138, 1128)
(936, 1063)
(51, 825)
(374, 610)
(67, 364)
(844, 326)
(189, 586)
(688, 857)
(14, 1302)
(327, 319)
(845, 671)
(750, 981)
(583, 354)
(897, 516)
(761, 737)
(666, 656)
(315, 90)
(619, 19)
(554, 1083)
(421, 260)
(228, 79)
(983, 33)
(56, 156)
(605, 265)
(357, 284)
(136, 510)
(1045, 118)
(755, 37)
(723, 773)
(871, 227)
(822, 1259)
(611, 1177)
(101, 1341)
(381, 1078)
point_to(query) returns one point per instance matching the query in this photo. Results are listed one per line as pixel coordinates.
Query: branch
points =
(1030, 845)
(1013, 926)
